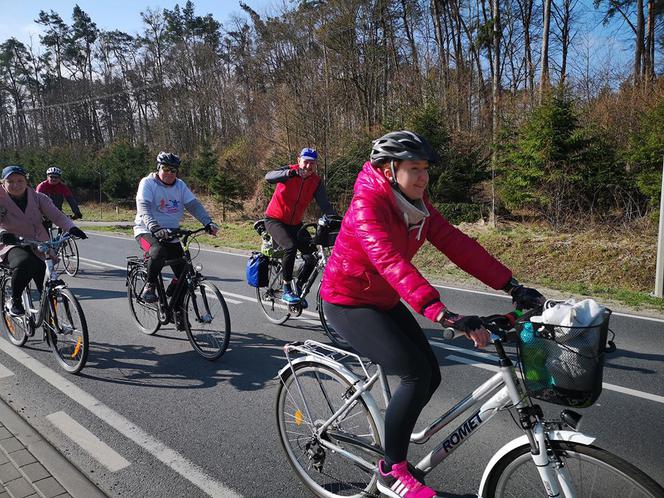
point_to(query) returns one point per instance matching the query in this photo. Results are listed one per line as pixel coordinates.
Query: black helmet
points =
(402, 145)
(169, 159)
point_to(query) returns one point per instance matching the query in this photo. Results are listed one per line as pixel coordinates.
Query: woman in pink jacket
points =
(21, 213)
(370, 271)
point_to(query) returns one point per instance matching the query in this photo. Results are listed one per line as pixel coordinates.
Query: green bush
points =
(460, 212)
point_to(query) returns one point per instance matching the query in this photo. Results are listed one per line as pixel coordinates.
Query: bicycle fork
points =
(554, 475)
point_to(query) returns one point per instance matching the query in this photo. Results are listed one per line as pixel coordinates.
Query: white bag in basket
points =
(580, 341)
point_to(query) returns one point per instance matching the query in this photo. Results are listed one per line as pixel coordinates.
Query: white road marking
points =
(101, 263)
(97, 449)
(611, 387)
(169, 457)
(5, 372)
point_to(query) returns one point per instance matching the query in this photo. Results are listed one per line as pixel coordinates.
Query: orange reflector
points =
(298, 417)
(77, 349)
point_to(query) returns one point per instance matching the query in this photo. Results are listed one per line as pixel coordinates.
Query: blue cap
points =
(10, 170)
(309, 154)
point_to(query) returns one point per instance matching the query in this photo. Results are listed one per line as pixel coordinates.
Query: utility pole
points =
(659, 272)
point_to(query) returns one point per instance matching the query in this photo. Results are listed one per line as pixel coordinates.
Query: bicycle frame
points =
(501, 391)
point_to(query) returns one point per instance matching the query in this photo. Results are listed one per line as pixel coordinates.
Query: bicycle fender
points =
(350, 377)
(573, 436)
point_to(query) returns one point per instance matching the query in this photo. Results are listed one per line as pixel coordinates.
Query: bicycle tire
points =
(69, 340)
(209, 342)
(146, 315)
(269, 297)
(326, 391)
(17, 327)
(332, 334)
(608, 475)
(70, 257)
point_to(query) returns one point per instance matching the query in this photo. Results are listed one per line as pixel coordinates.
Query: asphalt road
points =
(149, 417)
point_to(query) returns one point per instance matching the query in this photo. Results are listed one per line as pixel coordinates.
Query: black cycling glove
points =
(8, 239)
(524, 298)
(77, 232)
(461, 322)
(161, 233)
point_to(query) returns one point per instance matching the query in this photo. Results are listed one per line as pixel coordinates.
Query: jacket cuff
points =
(433, 311)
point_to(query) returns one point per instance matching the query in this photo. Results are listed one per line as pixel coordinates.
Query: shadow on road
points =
(251, 361)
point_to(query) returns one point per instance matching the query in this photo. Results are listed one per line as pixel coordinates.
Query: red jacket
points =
(371, 261)
(291, 198)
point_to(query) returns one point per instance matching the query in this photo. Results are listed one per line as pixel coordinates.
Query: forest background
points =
(552, 145)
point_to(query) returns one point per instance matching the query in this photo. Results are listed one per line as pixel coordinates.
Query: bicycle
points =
(58, 311)
(195, 305)
(269, 297)
(69, 254)
(331, 429)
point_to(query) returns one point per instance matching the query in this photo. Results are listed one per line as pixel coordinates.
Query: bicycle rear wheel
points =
(269, 298)
(325, 472)
(68, 331)
(145, 314)
(207, 321)
(70, 258)
(18, 327)
(332, 334)
(594, 473)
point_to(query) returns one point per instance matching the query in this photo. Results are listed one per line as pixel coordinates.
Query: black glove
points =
(461, 322)
(77, 232)
(525, 298)
(292, 173)
(77, 216)
(8, 239)
(161, 233)
(212, 228)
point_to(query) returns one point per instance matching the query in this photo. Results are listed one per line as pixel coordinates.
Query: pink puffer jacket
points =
(370, 264)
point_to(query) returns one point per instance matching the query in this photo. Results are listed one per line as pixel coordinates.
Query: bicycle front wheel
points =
(145, 314)
(593, 472)
(68, 331)
(207, 321)
(326, 472)
(269, 298)
(70, 258)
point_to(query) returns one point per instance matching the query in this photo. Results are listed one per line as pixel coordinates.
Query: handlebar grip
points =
(450, 333)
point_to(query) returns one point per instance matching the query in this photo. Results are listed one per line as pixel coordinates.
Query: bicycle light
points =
(198, 267)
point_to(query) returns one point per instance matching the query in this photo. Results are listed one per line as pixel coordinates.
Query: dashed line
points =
(94, 446)
(5, 372)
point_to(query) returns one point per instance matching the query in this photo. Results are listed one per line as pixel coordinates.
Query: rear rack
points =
(331, 353)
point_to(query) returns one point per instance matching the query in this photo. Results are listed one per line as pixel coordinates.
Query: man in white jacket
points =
(160, 203)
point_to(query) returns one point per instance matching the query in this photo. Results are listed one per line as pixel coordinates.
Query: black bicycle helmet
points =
(400, 145)
(168, 159)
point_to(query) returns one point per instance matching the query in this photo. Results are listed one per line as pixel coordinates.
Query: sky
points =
(17, 16)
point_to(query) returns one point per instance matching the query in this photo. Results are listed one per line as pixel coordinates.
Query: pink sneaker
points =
(400, 483)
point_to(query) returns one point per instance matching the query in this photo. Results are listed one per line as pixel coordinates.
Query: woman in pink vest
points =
(297, 185)
(370, 271)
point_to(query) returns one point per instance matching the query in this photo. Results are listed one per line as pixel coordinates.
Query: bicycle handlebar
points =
(501, 327)
(44, 246)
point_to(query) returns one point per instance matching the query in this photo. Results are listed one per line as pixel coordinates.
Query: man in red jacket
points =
(55, 188)
(370, 271)
(297, 185)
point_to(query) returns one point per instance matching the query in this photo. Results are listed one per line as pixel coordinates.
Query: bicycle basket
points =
(563, 365)
(326, 234)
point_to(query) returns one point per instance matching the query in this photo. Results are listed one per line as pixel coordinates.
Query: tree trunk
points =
(495, 94)
(544, 77)
(638, 48)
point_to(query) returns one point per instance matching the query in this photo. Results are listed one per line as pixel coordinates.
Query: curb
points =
(70, 477)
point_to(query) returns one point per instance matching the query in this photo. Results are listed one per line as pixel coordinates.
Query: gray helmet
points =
(169, 159)
(400, 145)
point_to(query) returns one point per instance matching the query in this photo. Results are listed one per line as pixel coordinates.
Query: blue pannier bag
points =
(257, 270)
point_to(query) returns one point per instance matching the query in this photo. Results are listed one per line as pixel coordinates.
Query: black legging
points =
(394, 340)
(159, 253)
(287, 238)
(26, 266)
